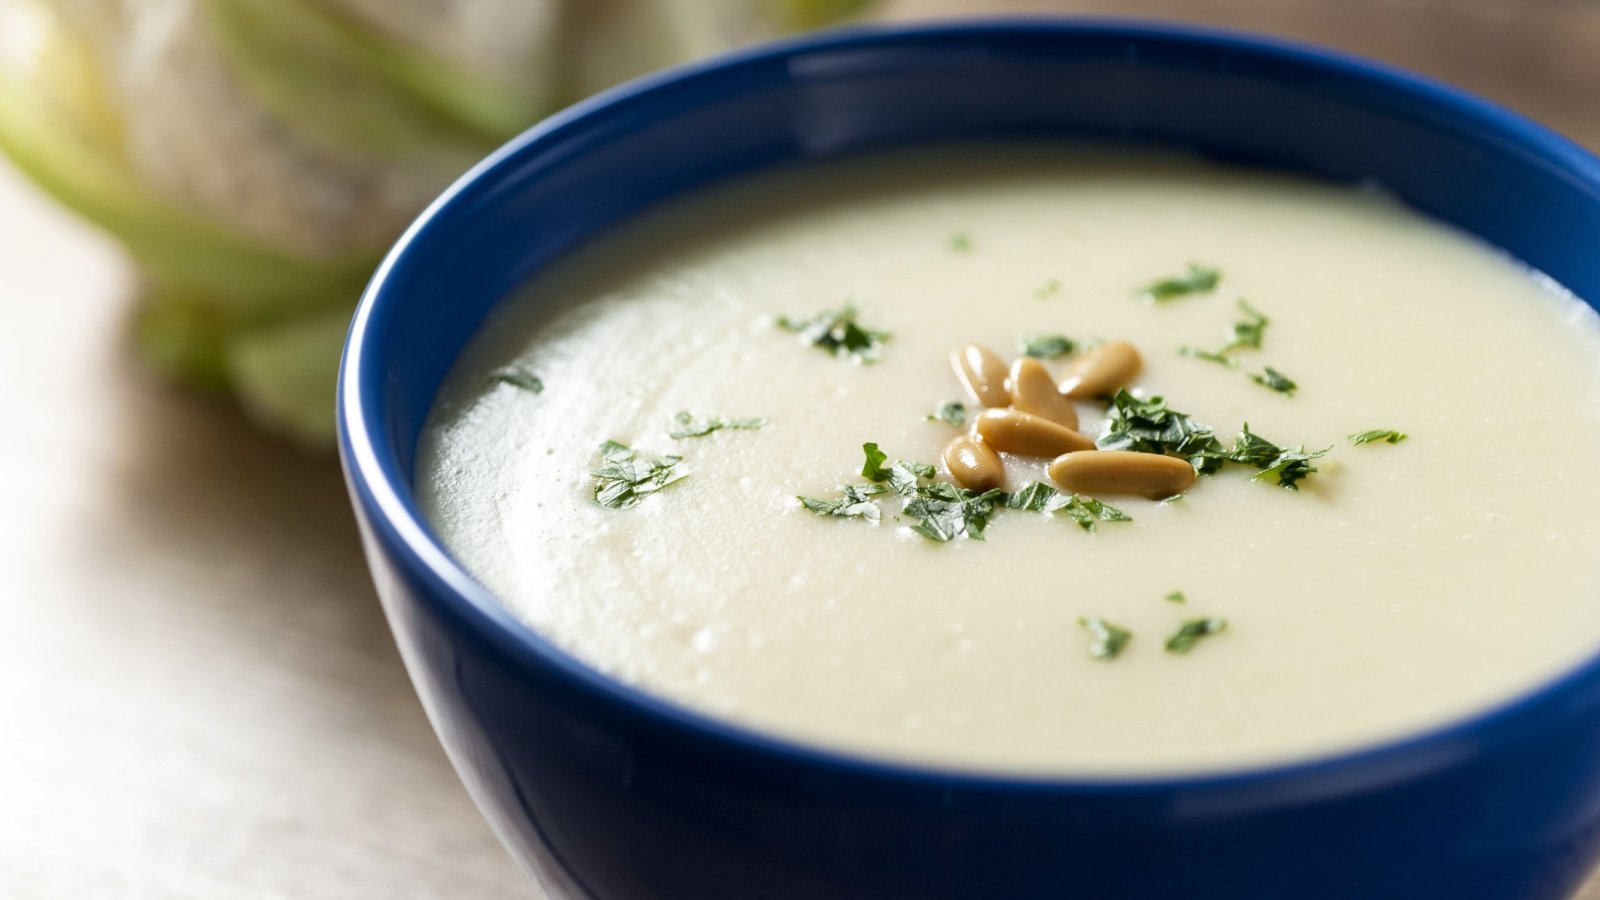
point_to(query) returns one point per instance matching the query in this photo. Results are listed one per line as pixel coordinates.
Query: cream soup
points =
(1403, 585)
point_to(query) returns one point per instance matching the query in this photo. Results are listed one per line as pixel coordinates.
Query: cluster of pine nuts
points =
(1030, 413)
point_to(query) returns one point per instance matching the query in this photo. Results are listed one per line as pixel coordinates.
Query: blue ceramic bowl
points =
(609, 794)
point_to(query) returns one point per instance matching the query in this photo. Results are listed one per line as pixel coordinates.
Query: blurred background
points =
(198, 695)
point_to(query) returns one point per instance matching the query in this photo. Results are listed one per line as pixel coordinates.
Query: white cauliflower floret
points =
(206, 141)
(505, 40)
(257, 156)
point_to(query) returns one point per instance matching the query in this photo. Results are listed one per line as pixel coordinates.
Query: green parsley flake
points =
(1086, 511)
(1176, 597)
(950, 412)
(1190, 633)
(1048, 289)
(1272, 378)
(518, 377)
(1369, 437)
(1197, 279)
(623, 478)
(1150, 426)
(838, 333)
(943, 511)
(1220, 357)
(856, 503)
(1108, 640)
(1289, 466)
(946, 511)
(1036, 497)
(961, 243)
(903, 477)
(690, 429)
(1241, 336)
(1047, 346)
(1252, 449)
(873, 469)
(906, 477)
(1249, 332)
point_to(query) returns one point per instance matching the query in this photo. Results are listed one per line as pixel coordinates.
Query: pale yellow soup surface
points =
(1403, 586)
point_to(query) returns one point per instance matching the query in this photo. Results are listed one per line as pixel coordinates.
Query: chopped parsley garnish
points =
(946, 511)
(1272, 378)
(1048, 289)
(1252, 449)
(1108, 640)
(1176, 597)
(1086, 511)
(1241, 335)
(903, 477)
(873, 469)
(1190, 633)
(689, 428)
(1047, 346)
(1218, 357)
(1036, 497)
(856, 502)
(1197, 279)
(943, 511)
(1249, 332)
(838, 332)
(1042, 498)
(961, 243)
(1387, 437)
(950, 412)
(1149, 426)
(1290, 467)
(518, 377)
(623, 478)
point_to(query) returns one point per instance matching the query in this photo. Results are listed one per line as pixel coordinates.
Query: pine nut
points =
(973, 465)
(1122, 472)
(1033, 391)
(1011, 431)
(982, 373)
(1101, 371)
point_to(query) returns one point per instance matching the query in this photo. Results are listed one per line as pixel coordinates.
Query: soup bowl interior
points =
(608, 793)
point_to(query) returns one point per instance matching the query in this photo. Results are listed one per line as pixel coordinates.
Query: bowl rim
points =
(382, 491)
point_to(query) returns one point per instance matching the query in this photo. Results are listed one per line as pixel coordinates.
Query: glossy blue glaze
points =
(612, 795)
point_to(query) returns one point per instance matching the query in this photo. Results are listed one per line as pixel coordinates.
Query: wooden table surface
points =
(198, 695)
